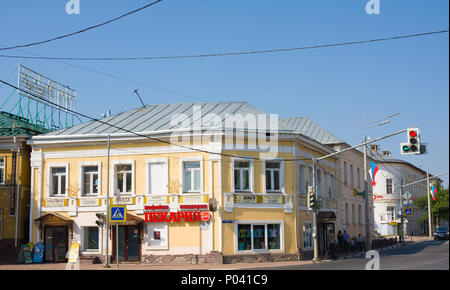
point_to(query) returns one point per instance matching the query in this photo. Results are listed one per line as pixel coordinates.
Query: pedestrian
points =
(331, 249)
(346, 240)
(360, 242)
(340, 240)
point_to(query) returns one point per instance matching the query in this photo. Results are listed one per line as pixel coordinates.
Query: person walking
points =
(340, 240)
(346, 240)
(331, 246)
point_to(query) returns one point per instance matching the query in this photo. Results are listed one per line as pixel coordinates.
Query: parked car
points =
(441, 233)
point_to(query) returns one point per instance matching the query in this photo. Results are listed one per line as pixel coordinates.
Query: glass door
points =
(133, 243)
(56, 243)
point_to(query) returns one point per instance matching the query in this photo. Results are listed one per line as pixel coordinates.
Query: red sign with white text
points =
(186, 216)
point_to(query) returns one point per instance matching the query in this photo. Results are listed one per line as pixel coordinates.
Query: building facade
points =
(349, 181)
(392, 174)
(198, 183)
(14, 182)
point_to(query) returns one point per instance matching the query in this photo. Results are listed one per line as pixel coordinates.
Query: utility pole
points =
(402, 216)
(314, 163)
(430, 228)
(315, 238)
(107, 206)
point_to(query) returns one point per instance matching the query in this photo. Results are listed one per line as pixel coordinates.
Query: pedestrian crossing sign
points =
(118, 214)
(408, 211)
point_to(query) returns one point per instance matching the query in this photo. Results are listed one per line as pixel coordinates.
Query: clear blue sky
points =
(332, 86)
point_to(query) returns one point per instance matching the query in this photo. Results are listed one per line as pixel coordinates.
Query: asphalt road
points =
(427, 255)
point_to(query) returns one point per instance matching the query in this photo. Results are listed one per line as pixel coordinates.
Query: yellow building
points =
(14, 183)
(171, 165)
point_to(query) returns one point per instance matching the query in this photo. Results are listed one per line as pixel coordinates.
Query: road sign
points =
(408, 211)
(117, 214)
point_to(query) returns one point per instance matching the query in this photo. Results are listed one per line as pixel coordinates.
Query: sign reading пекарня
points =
(186, 216)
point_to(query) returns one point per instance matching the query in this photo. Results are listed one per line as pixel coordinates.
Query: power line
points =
(140, 135)
(83, 30)
(227, 53)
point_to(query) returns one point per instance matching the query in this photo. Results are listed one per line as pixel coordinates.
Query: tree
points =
(439, 206)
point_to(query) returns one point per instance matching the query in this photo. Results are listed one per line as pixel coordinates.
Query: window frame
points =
(251, 188)
(150, 161)
(259, 223)
(311, 241)
(81, 178)
(50, 167)
(83, 246)
(301, 180)
(114, 184)
(192, 170)
(3, 182)
(391, 185)
(272, 176)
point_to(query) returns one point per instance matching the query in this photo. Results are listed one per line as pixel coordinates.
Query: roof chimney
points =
(386, 153)
(374, 148)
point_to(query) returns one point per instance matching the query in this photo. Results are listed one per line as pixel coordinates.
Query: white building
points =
(392, 174)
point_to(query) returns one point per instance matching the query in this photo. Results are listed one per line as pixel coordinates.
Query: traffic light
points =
(101, 219)
(311, 197)
(413, 145)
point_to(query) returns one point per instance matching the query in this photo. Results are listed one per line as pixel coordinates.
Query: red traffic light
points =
(412, 133)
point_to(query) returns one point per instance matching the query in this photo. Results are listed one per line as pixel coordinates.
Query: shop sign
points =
(157, 199)
(165, 217)
(124, 200)
(194, 199)
(194, 207)
(273, 199)
(157, 207)
(205, 216)
(55, 202)
(88, 202)
(261, 199)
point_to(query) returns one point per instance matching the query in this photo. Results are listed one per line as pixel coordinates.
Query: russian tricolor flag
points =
(373, 171)
(433, 191)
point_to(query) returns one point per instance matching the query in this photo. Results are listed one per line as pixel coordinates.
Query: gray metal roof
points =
(306, 127)
(162, 117)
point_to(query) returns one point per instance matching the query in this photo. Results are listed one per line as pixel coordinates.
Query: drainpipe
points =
(17, 194)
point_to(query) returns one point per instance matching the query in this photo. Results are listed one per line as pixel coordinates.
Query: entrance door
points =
(56, 243)
(129, 243)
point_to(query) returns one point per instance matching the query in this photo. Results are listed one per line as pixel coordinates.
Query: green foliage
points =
(439, 207)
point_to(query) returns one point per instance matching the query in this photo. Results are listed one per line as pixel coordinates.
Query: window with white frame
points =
(262, 237)
(58, 181)
(302, 180)
(389, 186)
(310, 176)
(307, 236)
(319, 182)
(2, 170)
(273, 176)
(124, 178)
(345, 172)
(352, 180)
(242, 175)
(347, 221)
(90, 175)
(360, 215)
(191, 176)
(90, 238)
(353, 214)
(332, 186)
(358, 173)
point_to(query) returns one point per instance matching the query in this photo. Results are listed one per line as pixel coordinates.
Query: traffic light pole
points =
(430, 227)
(315, 210)
(107, 207)
(315, 238)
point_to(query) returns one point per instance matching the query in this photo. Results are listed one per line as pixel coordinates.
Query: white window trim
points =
(86, 251)
(131, 162)
(50, 179)
(282, 189)
(191, 159)
(150, 161)
(299, 186)
(80, 178)
(146, 231)
(251, 175)
(303, 236)
(258, 251)
(4, 170)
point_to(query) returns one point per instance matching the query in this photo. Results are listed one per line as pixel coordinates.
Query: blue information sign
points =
(408, 211)
(118, 214)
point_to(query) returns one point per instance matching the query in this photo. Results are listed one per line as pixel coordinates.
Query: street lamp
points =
(366, 187)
